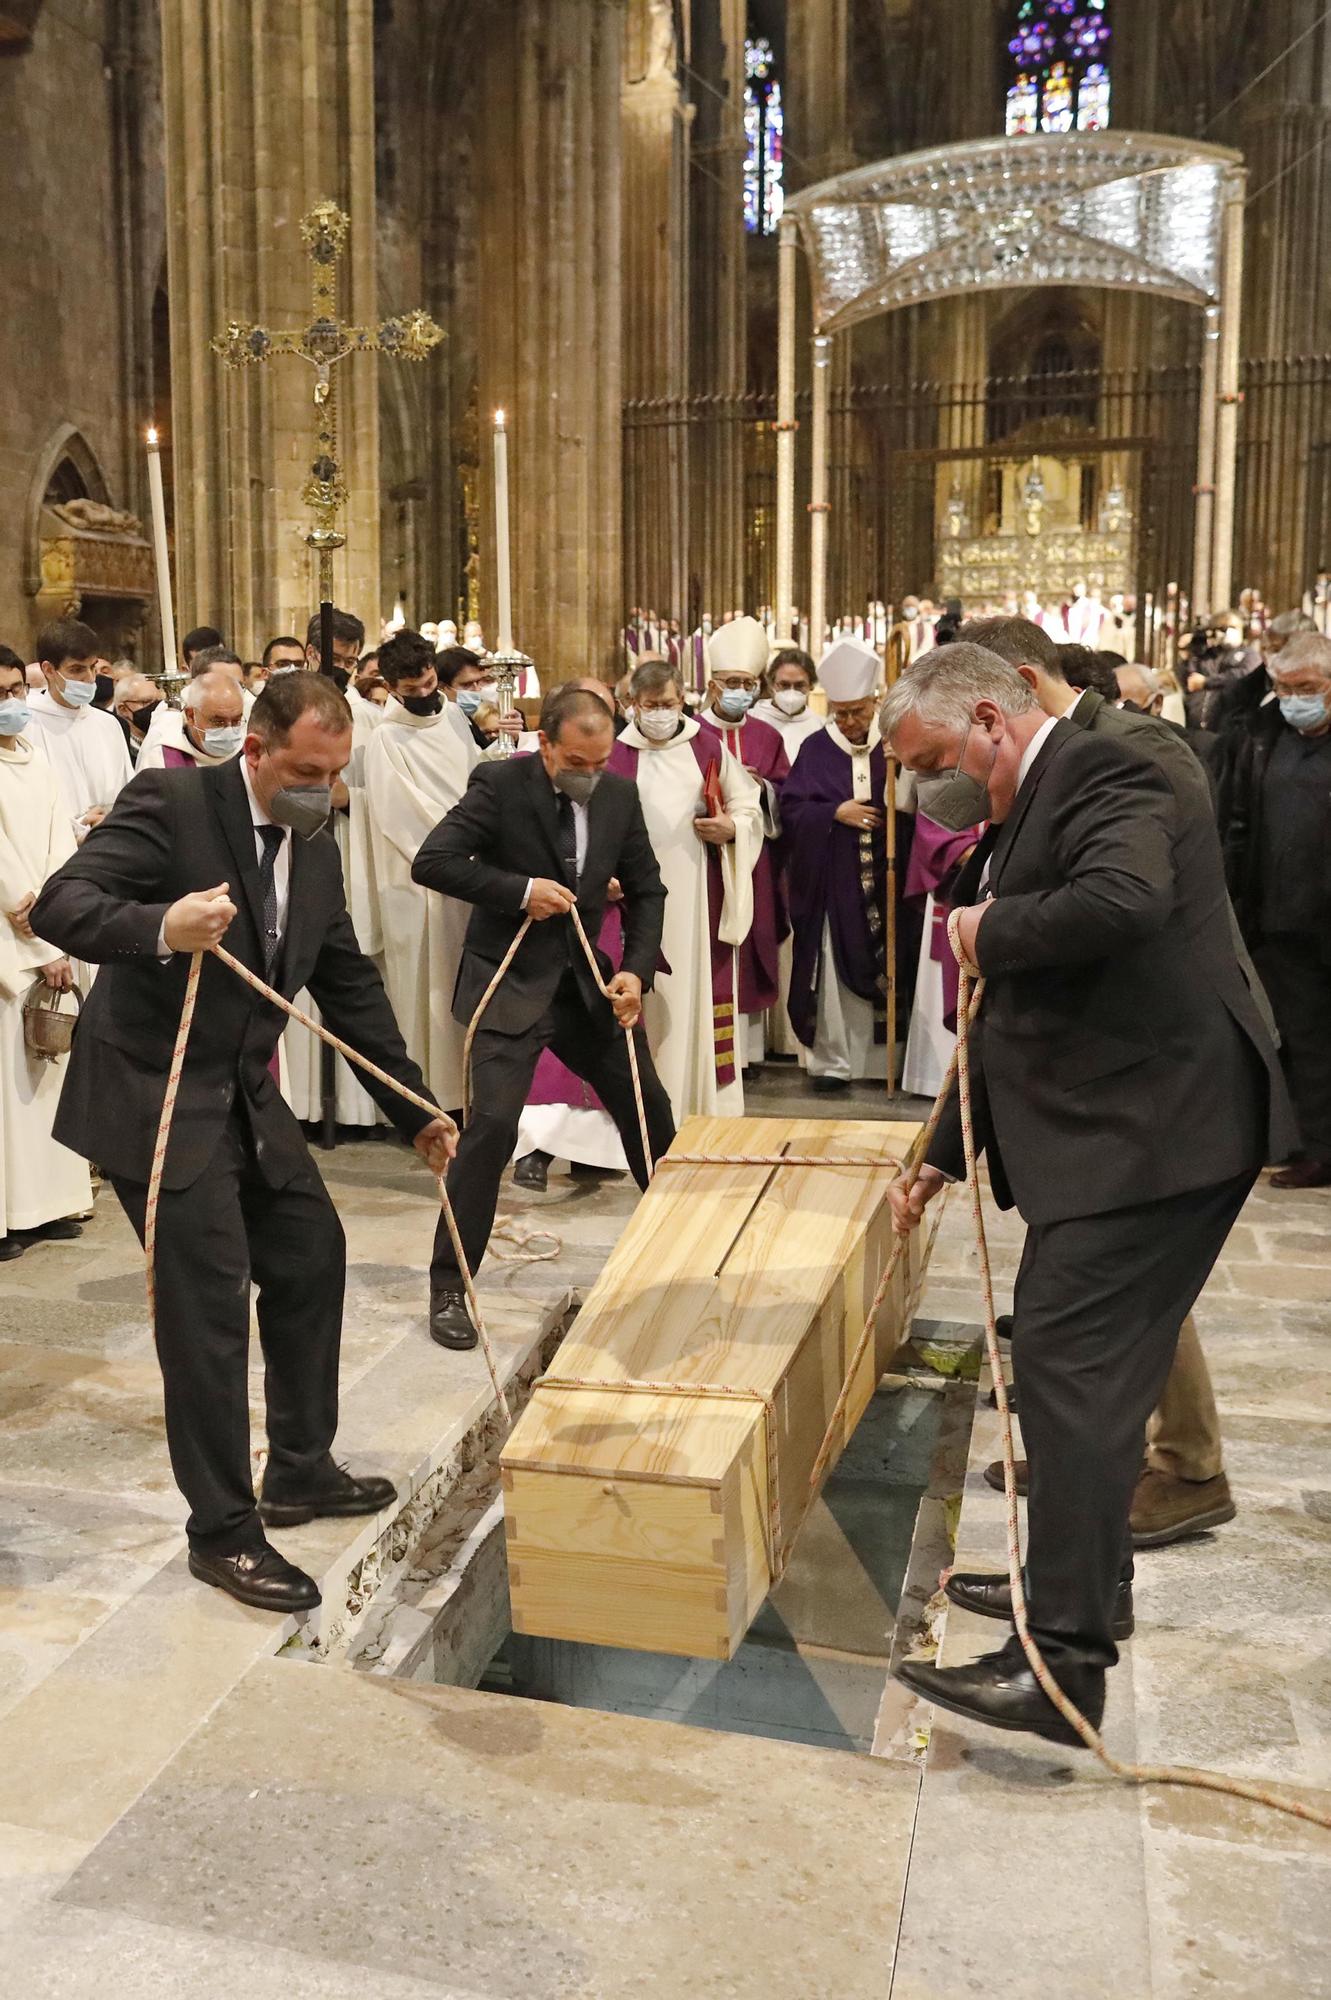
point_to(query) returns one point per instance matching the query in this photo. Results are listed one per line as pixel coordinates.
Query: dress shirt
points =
(1028, 757)
(579, 841)
(281, 867)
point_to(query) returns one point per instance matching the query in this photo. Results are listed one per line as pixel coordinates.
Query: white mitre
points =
(848, 671)
(738, 648)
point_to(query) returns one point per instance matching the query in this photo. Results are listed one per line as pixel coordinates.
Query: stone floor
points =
(184, 1813)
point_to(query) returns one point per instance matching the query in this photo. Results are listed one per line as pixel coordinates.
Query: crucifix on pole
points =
(323, 342)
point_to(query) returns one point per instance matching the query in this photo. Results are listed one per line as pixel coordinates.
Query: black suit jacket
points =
(503, 832)
(171, 832)
(1119, 1057)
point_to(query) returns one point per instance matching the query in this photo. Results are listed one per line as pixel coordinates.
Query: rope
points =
(601, 988)
(971, 992)
(362, 1062)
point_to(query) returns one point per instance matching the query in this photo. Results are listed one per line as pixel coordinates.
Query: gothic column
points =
(718, 293)
(549, 321)
(656, 306)
(1283, 129)
(268, 108)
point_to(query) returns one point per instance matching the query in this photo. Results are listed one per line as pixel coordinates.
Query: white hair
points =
(1150, 678)
(1305, 649)
(944, 685)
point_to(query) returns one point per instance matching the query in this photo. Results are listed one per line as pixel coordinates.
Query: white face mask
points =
(790, 701)
(658, 725)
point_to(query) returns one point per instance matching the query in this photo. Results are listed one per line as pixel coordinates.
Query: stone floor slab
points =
(515, 1848)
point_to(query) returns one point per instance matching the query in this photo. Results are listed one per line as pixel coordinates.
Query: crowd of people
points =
(733, 880)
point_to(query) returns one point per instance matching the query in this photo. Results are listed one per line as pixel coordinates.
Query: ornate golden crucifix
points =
(323, 342)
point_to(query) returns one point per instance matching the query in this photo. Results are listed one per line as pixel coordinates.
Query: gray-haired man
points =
(1125, 1095)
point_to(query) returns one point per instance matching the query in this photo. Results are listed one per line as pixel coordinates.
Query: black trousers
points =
(227, 1230)
(502, 1067)
(1298, 980)
(1096, 1312)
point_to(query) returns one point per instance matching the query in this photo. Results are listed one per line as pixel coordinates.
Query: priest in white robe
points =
(704, 816)
(791, 680)
(85, 747)
(43, 1186)
(416, 767)
(208, 727)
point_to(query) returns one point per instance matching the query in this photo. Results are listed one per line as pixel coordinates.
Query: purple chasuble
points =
(835, 878)
(935, 856)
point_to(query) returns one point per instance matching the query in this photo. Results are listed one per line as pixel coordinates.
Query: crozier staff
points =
(1127, 1148)
(187, 857)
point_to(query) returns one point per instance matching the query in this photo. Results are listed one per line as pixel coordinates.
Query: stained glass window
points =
(764, 131)
(1059, 52)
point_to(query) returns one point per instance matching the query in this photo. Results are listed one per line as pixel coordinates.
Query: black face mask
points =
(339, 676)
(139, 718)
(422, 704)
(106, 687)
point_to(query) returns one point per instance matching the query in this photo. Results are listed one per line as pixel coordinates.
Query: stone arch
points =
(66, 461)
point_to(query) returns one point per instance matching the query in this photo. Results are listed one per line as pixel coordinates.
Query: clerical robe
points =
(40, 1180)
(792, 729)
(761, 751)
(171, 747)
(837, 879)
(86, 749)
(416, 770)
(690, 1013)
(935, 856)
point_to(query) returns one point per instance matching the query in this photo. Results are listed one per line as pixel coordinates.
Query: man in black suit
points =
(1183, 1489)
(1125, 1092)
(531, 837)
(241, 1199)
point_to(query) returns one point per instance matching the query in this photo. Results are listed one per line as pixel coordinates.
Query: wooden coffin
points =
(653, 1517)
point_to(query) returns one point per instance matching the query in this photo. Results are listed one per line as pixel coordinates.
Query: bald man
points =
(137, 700)
(209, 728)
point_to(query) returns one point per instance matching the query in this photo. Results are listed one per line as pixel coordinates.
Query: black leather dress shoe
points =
(450, 1322)
(11, 1246)
(829, 1086)
(337, 1495)
(991, 1597)
(532, 1172)
(1006, 1697)
(260, 1577)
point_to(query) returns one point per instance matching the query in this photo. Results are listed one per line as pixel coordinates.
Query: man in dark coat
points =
(241, 1199)
(530, 838)
(1125, 1092)
(1278, 859)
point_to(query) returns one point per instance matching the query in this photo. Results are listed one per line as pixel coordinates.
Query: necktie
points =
(568, 838)
(272, 838)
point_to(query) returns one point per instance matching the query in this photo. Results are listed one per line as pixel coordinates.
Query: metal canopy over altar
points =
(1129, 211)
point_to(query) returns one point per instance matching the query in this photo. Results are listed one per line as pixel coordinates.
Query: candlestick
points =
(503, 573)
(161, 555)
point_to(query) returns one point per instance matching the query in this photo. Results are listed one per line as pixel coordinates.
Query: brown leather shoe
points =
(1166, 1509)
(993, 1476)
(1303, 1173)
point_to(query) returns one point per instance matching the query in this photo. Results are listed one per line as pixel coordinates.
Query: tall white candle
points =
(503, 571)
(161, 555)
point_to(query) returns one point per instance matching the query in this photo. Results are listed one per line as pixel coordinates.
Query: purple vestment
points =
(759, 748)
(935, 855)
(828, 880)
